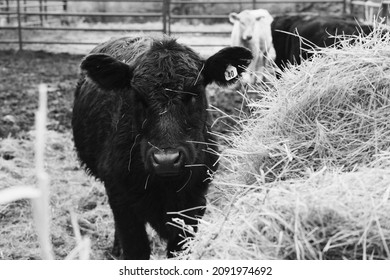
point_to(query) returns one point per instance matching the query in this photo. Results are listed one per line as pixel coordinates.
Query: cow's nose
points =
(167, 162)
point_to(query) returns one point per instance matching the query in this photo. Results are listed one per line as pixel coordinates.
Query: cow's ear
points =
(226, 66)
(106, 71)
(233, 17)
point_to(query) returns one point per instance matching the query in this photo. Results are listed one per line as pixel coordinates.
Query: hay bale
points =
(331, 111)
(309, 177)
(329, 216)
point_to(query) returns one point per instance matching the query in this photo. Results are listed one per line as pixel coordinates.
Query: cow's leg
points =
(130, 234)
(175, 244)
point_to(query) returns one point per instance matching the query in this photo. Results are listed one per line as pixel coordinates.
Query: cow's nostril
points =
(167, 162)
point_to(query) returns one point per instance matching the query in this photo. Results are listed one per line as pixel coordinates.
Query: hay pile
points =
(309, 177)
(333, 111)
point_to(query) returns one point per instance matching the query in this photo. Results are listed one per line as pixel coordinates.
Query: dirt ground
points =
(71, 190)
(20, 74)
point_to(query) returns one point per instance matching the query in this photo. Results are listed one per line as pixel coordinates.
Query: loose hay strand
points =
(40, 205)
(39, 194)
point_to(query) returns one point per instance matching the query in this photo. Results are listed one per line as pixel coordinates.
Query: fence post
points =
(7, 10)
(253, 4)
(19, 26)
(166, 17)
(344, 7)
(25, 10)
(65, 5)
(384, 12)
(45, 8)
(351, 7)
(169, 16)
(41, 10)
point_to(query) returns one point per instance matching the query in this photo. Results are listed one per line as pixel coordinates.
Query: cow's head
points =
(165, 87)
(252, 29)
(246, 22)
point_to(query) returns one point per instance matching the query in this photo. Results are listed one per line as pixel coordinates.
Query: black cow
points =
(140, 125)
(315, 31)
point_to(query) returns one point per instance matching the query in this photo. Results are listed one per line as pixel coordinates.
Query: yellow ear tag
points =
(230, 73)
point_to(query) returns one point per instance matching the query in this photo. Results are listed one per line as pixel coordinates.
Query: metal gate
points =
(19, 11)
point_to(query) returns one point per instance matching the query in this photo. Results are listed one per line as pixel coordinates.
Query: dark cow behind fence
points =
(314, 31)
(140, 125)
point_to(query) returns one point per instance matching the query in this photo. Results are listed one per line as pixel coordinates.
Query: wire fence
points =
(22, 16)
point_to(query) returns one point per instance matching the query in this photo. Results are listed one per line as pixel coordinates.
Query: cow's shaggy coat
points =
(140, 126)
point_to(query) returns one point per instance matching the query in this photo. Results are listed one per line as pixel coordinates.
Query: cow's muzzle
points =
(167, 162)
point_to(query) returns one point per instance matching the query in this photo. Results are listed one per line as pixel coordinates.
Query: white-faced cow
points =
(140, 125)
(252, 29)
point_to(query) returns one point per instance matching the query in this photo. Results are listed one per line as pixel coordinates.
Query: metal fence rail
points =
(370, 9)
(21, 10)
